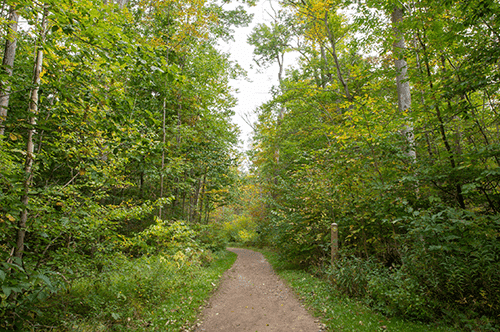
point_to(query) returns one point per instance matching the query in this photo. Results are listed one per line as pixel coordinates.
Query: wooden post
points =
(335, 242)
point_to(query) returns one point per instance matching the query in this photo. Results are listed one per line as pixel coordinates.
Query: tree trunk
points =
(196, 199)
(33, 112)
(8, 65)
(164, 137)
(326, 76)
(403, 85)
(202, 198)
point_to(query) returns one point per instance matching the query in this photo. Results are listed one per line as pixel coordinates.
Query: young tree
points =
(402, 79)
(8, 65)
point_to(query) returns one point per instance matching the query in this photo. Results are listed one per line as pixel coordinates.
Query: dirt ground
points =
(253, 298)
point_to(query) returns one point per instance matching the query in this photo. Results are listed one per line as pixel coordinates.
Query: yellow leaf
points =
(12, 136)
(11, 218)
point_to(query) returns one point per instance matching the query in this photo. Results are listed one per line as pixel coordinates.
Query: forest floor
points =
(253, 298)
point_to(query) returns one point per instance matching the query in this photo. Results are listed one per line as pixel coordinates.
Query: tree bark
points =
(202, 197)
(326, 76)
(8, 65)
(402, 83)
(33, 112)
(164, 139)
(196, 198)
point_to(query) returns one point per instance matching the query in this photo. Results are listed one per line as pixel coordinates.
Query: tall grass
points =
(155, 293)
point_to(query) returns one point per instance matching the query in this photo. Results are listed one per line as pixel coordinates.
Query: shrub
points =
(212, 236)
(449, 268)
(20, 293)
(455, 256)
(350, 275)
(162, 236)
(241, 229)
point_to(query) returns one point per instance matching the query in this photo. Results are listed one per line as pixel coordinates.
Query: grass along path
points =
(154, 293)
(336, 311)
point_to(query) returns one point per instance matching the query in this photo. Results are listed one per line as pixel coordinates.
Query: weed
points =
(144, 294)
(337, 311)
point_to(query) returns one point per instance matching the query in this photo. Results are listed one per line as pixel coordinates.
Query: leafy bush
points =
(395, 293)
(241, 229)
(212, 236)
(350, 275)
(159, 292)
(21, 292)
(449, 268)
(162, 236)
(455, 256)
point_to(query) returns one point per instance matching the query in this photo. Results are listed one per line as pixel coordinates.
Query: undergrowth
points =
(155, 293)
(337, 311)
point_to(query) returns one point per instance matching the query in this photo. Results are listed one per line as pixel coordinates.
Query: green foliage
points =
(133, 128)
(171, 236)
(447, 271)
(21, 292)
(138, 294)
(460, 252)
(211, 236)
(167, 236)
(337, 311)
(351, 275)
(240, 229)
(415, 192)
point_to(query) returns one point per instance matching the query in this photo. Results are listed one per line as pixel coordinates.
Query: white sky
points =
(256, 90)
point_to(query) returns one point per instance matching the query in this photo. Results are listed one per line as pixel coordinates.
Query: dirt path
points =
(253, 298)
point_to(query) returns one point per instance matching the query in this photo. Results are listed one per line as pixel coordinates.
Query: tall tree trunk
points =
(33, 112)
(183, 211)
(8, 65)
(196, 199)
(202, 197)
(326, 76)
(403, 85)
(164, 138)
(281, 62)
(141, 184)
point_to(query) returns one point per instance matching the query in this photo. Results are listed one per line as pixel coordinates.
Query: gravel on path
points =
(253, 298)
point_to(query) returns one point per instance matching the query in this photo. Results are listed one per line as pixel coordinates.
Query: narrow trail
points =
(253, 298)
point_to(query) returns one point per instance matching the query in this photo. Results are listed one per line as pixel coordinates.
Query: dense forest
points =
(121, 181)
(116, 139)
(389, 126)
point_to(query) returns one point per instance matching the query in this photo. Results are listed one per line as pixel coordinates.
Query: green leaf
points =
(45, 279)
(7, 290)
